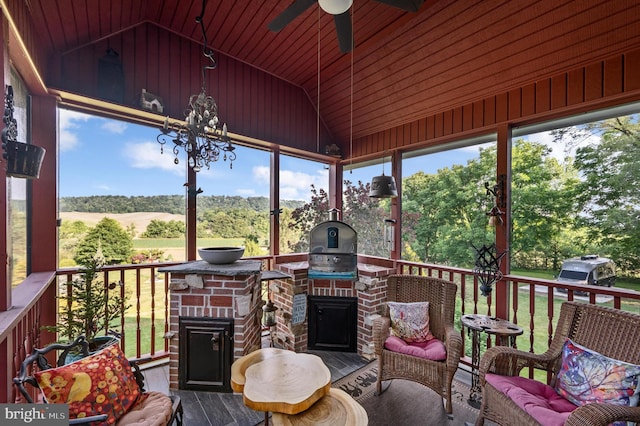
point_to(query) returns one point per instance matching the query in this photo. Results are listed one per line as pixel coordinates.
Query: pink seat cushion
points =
(537, 399)
(433, 349)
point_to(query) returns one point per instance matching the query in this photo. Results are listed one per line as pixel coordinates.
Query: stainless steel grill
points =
(333, 250)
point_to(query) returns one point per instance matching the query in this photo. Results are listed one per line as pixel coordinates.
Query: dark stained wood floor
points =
(212, 408)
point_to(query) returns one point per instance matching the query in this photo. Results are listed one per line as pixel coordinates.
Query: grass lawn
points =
(160, 243)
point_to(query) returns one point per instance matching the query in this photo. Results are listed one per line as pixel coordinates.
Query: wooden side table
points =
(282, 381)
(335, 408)
(505, 332)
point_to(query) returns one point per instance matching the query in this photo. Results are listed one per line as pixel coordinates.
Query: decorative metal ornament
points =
(487, 267)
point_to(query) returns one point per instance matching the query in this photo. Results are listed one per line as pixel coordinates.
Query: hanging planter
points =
(23, 160)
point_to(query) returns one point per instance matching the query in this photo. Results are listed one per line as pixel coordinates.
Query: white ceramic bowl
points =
(221, 255)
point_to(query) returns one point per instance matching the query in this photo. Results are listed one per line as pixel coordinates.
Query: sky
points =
(100, 156)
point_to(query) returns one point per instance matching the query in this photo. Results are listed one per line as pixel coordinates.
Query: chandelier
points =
(200, 136)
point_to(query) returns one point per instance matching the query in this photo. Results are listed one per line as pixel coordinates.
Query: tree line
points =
(174, 204)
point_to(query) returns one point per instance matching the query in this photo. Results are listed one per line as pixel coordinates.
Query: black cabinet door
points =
(205, 354)
(332, 323)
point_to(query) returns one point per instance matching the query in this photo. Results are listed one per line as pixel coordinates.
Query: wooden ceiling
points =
(405, 65)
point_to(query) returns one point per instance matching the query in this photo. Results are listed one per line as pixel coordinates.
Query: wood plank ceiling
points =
(405, 65)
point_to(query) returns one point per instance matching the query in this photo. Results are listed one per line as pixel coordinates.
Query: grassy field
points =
(174, 248)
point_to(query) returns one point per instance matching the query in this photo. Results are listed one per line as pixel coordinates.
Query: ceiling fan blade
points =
(344, 31)
(408, 5)
(289, 14)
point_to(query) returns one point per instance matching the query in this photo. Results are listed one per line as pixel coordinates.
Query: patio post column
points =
(191, 205)
(336, 177)
(274, 199)
(396, 206)
(503, 232)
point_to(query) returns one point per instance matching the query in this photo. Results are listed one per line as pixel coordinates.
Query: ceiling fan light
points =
(335, 7)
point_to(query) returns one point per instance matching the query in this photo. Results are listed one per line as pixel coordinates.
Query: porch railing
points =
(533, 305)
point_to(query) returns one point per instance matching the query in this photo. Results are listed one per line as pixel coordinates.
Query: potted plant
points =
(90, 308)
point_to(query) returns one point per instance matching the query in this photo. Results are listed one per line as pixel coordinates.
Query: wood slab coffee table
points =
(276, 380)
(336, 408)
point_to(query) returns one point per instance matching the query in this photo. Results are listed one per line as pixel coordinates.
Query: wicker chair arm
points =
(602, 414)
(380, 333)
(453, 343)
(506, 361)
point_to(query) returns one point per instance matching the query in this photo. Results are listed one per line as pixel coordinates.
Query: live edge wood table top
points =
(281, 381)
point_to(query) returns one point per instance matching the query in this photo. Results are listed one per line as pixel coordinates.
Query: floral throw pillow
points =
(587, 376)
(410, 321)
(102, 383)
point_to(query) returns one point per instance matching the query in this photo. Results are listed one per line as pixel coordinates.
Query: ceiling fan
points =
(341, 16)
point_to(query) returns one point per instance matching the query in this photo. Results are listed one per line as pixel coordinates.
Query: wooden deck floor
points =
(212, 408)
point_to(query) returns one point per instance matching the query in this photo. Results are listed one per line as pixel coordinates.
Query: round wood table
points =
(280, 381)
(336, 408)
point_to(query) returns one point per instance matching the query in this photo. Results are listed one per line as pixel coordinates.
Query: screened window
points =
(445, 203)
(304, 188)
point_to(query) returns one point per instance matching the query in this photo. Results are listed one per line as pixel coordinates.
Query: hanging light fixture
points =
(200, 136)
(335, 7)
(269, 314)
(383, 186)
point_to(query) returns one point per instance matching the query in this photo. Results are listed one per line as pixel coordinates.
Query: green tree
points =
(363, 213)
(88, 306)
(610, 192)
(544, 207)
(164, 229)
(109, 237)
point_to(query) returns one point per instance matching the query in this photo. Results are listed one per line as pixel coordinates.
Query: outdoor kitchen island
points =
(232, 292)
(311, 310)
(214, 319)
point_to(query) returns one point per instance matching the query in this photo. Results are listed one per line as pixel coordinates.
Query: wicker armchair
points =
(611, 332)
(436, 375)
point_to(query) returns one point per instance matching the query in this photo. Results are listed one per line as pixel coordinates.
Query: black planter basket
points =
(23, 160)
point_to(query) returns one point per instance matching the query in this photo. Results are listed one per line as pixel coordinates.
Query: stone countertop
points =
(239, 267)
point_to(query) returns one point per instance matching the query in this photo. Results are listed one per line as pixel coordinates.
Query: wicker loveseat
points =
(100, 388)
(435, 374)
(613, 335)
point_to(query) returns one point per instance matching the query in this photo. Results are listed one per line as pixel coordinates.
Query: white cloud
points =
(117, 127)
(561, 150)
(294, 185)
(146, 155)
(68, 123)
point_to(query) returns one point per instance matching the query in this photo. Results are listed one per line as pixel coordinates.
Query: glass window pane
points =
(304, 190)
(233, 207)
(445, 204)
(366, 215)
(575, 192)
(112, 174)
(17, 194)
